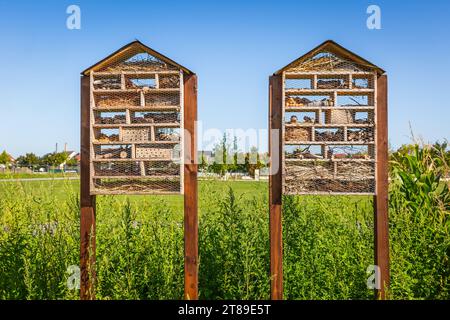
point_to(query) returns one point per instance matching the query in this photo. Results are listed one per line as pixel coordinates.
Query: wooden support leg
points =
(87, 251)
(275, 198)
(87, 202)
(190, 190)
(381, 204)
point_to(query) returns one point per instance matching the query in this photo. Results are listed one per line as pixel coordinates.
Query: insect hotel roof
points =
(329, 122)
(136, 122)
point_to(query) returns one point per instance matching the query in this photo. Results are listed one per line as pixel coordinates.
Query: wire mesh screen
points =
(136, 126)
(329, 127)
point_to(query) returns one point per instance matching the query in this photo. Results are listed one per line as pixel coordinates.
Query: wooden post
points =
(87, 202)
(275, 198)
(190, 189)
(381, 204)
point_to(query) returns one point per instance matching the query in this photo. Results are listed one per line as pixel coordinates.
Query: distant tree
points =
(220, 165)
(72, 162)
(4, 158)
(203, 165)
(55, 159)
(28, 160)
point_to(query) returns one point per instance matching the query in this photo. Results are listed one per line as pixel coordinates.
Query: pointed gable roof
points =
(338, 52)
(129, 51)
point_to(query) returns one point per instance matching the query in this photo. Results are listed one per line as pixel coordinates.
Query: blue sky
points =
(233, 46)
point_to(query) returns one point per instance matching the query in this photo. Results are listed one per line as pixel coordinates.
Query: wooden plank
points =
(328, 125)
(134, 142)
(137, 125)
(128, 91)
(135, 160)
(312, 108)
(331, 143)
(311, 92)
(275, 187)
(141, 177)
(87, 201)
(381, 204)
(138, 108)
(136, 73)
(190, 189)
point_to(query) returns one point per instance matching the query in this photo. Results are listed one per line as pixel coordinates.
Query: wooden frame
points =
(377, 148)
(188, 168)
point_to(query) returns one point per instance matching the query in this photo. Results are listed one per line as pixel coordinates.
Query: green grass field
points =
(328, 241)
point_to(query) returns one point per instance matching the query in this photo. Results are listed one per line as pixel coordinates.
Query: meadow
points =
(328, 240)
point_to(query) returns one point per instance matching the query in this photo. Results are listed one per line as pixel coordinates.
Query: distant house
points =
(70, 155)
(11, 158)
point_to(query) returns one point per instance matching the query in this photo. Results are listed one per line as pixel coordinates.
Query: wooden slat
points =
(275, 186)
(138, 108)
(312, 109)
(127, 91)
(143, 178)
(329, 160)
(382, 185)
(87, 201)
(329, 91)
(137, 125)
(190, 189)
(134, 73)
(328, 125)
(330, 143)
(126, 192)
(136, 160)
(134, 142)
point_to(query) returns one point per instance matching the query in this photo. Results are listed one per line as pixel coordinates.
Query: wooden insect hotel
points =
(138, 111)
(329, 107)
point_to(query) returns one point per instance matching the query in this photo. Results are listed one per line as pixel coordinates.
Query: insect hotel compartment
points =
(107, 82)
(162, 98)
(144, 82)
(120, 168)
(362, 82)
(167, 134)
(358, 100)
(107, 135)
(294, 100)
(161, 168)
(155, 117)
(297, 134)
(299, 83)
(114, 100)
(329, 134)
(110, 117)
(157, 151)
(131, 134)
(301, 118)
(332, 82)
(112, 151)
(169, 81)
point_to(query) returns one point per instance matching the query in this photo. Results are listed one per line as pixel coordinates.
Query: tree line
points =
(228, 159)
(32, 160)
